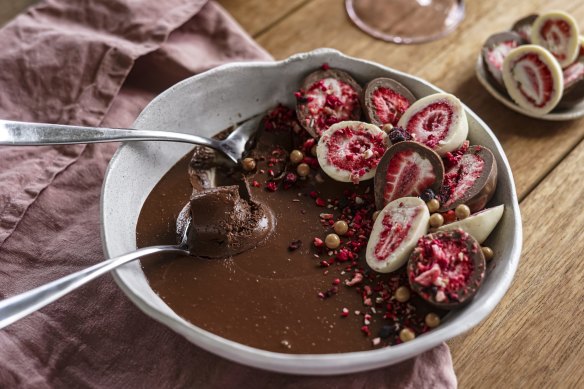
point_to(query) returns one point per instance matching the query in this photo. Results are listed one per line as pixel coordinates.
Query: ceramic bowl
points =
(209, 102)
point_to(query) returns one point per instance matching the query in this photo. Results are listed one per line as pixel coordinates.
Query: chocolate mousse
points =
(224, 224)
(290, 293)
(290, 253)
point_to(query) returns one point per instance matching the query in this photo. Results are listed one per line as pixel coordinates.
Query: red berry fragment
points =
(437, 121)
(327, 97)
(385, 101)
(350, 151)
(471, 180)
(558, 33)
(395, 232)
(446, 268)
(407, 169)
(533, 78)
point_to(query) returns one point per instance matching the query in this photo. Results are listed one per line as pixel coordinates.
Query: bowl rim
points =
(319, 364)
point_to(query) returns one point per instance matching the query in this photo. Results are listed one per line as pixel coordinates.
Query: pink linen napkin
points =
(99, 63)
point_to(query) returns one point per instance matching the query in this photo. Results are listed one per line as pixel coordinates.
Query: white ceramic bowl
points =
(210, 102)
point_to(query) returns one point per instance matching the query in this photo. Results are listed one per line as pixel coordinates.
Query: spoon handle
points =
(16, 307)
(32, 134)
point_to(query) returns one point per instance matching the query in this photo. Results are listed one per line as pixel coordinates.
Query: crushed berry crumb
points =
(294, 245)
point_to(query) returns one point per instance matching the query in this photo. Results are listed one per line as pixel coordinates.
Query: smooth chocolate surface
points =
(275, 296)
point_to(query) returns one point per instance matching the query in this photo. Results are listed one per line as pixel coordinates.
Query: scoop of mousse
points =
(226, 221)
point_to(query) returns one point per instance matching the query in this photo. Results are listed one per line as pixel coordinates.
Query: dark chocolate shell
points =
(400, 96)
(407, 169)
(483, 183)
(523, 27)
(493, 53)
(315, 124)
(428, 268)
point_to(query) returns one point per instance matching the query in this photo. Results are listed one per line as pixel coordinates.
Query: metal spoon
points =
(32, 134)
(16, 307)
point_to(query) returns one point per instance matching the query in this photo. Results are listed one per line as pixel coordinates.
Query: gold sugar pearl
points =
(432, 320)
(433, 205)
(248, 164)
(303, 170)
(313, 151)
(341, 227)
(374, 216)
(406, 335)
(387, 127)
(487, 252)
(402, 294)
(462, 211)
(436, 220)
(296, 156)
(332, 241)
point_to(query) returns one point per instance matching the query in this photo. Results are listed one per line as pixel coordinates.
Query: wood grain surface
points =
(535, 337)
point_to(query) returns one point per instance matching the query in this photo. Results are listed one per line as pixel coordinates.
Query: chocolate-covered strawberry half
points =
(494, 52)
(533, 78)
(385, 100)
(327, 97)
(438, 121)
(573, 81)
(446, 268)
(350, 151)
(523, 27)
(470, 178)
(407, 169)
(395, 232)
(558, 33)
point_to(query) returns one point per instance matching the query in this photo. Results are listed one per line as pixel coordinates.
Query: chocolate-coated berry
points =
(313, 151)
(462, 211)
(433, 205)
(341, 227)
(432, 320)
(427, 195)
(436, 220)
(332, 241)
(398, 134)
(487, 252)
(296, 156)
(406, 335)
(248, 164)
(303, 170)
(402, 294)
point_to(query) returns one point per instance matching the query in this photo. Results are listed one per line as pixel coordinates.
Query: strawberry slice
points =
(533, 78)
(350, 151)
(557, 32)
(470, 180)
(494, 52)
(385, 100)
(395, 233)
(328, 96)
(447, 268)
(407, 169)
(437, 121)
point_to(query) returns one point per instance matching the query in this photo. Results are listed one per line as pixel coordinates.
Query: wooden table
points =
(535, 336)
